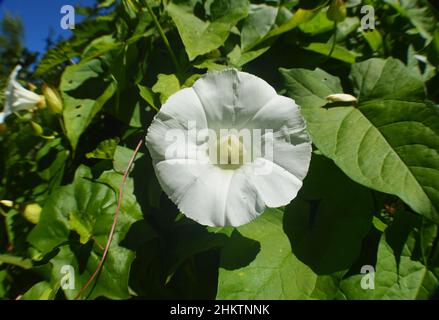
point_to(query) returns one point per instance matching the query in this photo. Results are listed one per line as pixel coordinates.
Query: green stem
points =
(334, 42)
(3, 213)
(163, 36)
(61, 123)
(17, 261)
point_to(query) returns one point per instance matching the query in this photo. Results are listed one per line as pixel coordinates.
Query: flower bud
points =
(36, 128)
(7, 203)
(32, 212)
(54, 101)
(341, 97)
(336, 11)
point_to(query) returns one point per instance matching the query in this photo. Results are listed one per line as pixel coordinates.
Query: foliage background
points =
(371, 196)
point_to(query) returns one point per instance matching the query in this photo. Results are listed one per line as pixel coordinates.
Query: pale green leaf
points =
(166, 85)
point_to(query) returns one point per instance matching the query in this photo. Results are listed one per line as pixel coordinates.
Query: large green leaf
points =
(200, 37)
(259, 22)
(326, 228)
(400, 272)
(257, 263)
(84, 95)
(389, 141)
(87, 208)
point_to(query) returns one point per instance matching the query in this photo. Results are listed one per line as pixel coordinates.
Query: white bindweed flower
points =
(228, 147)
(18, 98)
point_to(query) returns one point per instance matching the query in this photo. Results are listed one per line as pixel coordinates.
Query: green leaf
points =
(374, 39)
(82, 226)
(88, 208)
(388, 142)
(122, 157)
(105, 150)
(238, 58)
(62, 52)
(318, 24)
(166, 85)
(299, 17)
(200, 37)
(325, 228)
(149, 96)
(84, 95)
(261, 18)
(99, 47)
(39, 291)
(398, 273)
(420, 15)
(16, 261)
(257, 263)
(338, 53)
(51, 161)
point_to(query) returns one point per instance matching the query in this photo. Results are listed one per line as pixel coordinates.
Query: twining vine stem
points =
(163, 36)
(115, 220)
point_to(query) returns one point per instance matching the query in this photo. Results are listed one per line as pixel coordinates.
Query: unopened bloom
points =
(336, 11)
(32, 212)
(53, 98)
(18, 98)
(341, 97)
(228, 147)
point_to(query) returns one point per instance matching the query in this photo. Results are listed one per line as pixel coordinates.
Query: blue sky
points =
(39, 16)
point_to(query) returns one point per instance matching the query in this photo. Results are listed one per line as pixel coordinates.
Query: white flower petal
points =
(217, 93)
(185, 106)
(276, 188)
(253, 94)
(3, 116)
(168, 139)
(280, 112)
(22, 98)
(208, 194)
(176, 175)
(230, 98)
(17, 97)
(170, 128)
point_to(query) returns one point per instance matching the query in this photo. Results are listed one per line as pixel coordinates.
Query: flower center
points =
(229, 152)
